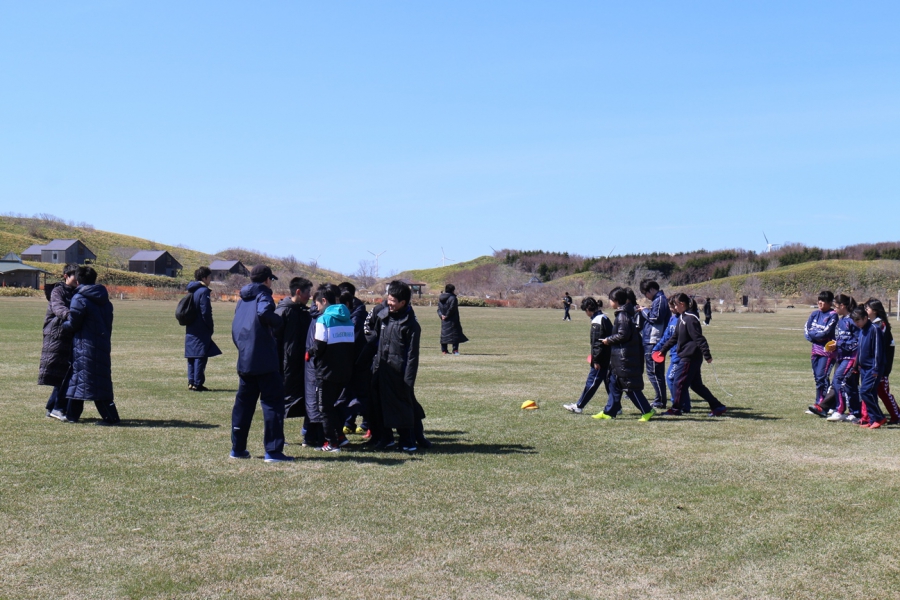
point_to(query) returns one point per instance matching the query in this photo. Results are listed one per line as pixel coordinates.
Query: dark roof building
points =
(66, 251)
(222, 269)
(32, 253)
(14, 273)
(154, 262)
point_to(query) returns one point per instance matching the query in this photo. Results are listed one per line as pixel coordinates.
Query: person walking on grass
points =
(692, 350)
(878, 316)
(451, 328)
(567, 304)
(655, 320)
(674, 362)
(199, 346)
(56, 351)
(259, 377)
(90, 324)
(707, 311)
(819, 331)
(871, 360)
(626, 360)
(844, 392)
(601, 328)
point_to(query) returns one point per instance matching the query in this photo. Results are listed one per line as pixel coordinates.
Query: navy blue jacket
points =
(656, 319)
(671, 328)
(90, 321)
(820, 330)
(198, 342)
(846, 337)
(251, 330)
(870, 357)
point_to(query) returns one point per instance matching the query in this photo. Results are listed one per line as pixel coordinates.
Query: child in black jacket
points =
(601, 328)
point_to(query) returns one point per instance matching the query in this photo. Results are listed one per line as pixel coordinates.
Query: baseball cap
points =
(260, 273)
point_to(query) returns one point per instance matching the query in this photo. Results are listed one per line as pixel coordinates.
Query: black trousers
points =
(327, 394)
(106, 408)
(268, 388)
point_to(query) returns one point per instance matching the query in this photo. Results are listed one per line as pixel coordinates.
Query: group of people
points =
(75, 355)
(638, 338)
(852, 355)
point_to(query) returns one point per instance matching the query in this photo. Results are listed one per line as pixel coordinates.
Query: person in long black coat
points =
(56, 351)
(90, 322)
(451, 328)
(291, 337)
(199, 346)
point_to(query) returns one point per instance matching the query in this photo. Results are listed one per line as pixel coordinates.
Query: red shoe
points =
(367, 436)
(877, 424)
(864, 422)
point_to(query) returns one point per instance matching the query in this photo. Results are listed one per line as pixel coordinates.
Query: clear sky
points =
(337, 128)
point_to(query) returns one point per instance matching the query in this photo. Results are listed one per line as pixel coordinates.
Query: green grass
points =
(764, 503)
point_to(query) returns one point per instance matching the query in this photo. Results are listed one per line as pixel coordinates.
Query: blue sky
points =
(335, 129)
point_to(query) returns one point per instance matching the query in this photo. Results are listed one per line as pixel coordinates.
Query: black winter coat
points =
(395, 368)
(451, 328)
(601, 328)
(627, 350)
(291, 337)
(56, 352)
(198, 342)
(90, 321)
(309, 373)
(689, 337)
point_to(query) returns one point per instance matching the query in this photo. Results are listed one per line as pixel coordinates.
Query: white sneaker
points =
(835, 416)
(573, 408)
(809, 412)
(851, 419)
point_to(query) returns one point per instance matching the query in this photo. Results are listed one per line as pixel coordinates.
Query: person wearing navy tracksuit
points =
(819, 331)
(674, 361)
(845, 382)
(655, 320)
(870, 356)
(878, 316)
(601, 328)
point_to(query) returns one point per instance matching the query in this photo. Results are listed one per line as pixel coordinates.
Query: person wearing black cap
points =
(253, 333)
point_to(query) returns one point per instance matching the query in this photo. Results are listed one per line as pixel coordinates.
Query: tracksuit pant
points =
(594, 379)
(614, 403)
(197, 370)
(690, 377)
(821, 365)
(566, 316)
(327, 394)
(845, 384)
(868, 393)
(268, 388)
(656, 373)
(884, 392)
(675, 371)
(106, 408)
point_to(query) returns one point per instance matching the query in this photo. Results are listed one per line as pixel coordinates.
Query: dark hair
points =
(448, 289)
(826, 296)
(631, 297)
(619, 296)
(859, 313)
(689, 302)
(672, 301)
(399, 290)
(70, 269)
(299, 284)
(847, 301)
(86, 276)
(346, 286)
(591, 305)
(328, 292)
(648, 285)
(346, 298)
(202, 273)
(876, 305)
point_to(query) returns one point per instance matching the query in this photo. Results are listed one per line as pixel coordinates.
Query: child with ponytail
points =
(845, 382)
(878, 316)
(871, 367)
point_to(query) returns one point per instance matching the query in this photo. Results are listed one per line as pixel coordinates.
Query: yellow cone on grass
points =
(529, 405)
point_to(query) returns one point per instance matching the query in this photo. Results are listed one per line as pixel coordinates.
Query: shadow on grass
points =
(211, 390)
(733, 412)
(165, 423)
(440, 447)
(387, 459)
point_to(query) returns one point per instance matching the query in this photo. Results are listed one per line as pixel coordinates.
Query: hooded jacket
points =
(291, 338)
(601, 328)
(692, 344)
(870, 356)
(56, 351)
(656, 318)
(451, 328)
(396, 366)
(198, 342)
(626, 350)
(252, 331)
(889, 346)
(335, 349)
(90, 323)
(671, 328)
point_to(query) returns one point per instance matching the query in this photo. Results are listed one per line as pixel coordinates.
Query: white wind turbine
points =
(444, 258)
(769, 246)
(376, 260)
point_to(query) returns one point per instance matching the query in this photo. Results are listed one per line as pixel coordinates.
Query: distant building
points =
(14, 273)
(416, 287)
(60, 252)
(154, 262)
(223, 269)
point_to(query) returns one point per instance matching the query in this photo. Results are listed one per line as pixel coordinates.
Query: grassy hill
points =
(439, 276)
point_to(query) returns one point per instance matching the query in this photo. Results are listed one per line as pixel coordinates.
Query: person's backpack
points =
(187, 310)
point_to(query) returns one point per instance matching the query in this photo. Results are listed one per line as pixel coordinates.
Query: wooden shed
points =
(154, 262)
(14, 273)
(66, 251)
(223, 269)
(32, 253)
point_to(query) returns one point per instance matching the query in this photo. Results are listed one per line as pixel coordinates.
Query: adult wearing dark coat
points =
(90, 322)
(451, 328)
(56, 351)
(199, 346)
(707, 311)
(313, 431)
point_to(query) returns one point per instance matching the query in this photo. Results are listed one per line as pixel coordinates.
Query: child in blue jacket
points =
(819, 331)
(673, 370)
(871, 366)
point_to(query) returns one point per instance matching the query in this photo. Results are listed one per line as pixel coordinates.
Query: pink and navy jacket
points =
(819, 330)
(846, 337)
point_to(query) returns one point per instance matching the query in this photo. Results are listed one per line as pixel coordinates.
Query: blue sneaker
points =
(242, 454)
(717, 412)
(278, 457)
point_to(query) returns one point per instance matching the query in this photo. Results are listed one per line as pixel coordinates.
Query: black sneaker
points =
(817, 410)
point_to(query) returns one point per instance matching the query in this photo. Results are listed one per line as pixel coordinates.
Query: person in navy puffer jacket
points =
(199, 346)
(252, 332)
(90, 323)
(655, 320)
(819, 331)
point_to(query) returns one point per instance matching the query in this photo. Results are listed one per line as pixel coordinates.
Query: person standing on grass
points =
(655, 320)
(601, 328)
(674, 361)
(56, 351)
(90, 323)
(451, 328)
(878, 316)
(354, 398)
(291, 337)
(692, 350)
(845, 383)
(199, 346)
(567, 304)
(259, 376)
(871, 359)
(626, 360)
(707, 311)
(819, 331)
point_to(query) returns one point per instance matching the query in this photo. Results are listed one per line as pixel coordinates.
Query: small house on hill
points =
(154, 262)
(14, 273)
(223, 269)
(32, 253)
(66, 251)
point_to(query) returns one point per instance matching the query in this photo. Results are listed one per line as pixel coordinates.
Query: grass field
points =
(766, 502)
